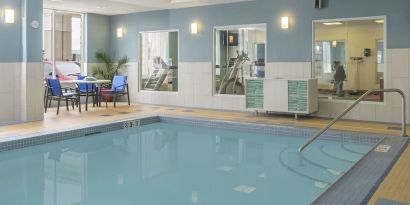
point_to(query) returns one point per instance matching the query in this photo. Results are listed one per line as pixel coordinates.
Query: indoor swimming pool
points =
(175, 164)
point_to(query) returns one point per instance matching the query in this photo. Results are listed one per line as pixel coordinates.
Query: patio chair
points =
(55, 92)
(119, 88)
(87, 90)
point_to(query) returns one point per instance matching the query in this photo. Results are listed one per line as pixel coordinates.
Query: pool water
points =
(173, 164)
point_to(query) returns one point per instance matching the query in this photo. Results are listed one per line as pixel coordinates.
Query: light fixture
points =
(120, 32)
(194, 28)
(230, 39)
(284, 22)
(332, 23)
(9, 16)
(379, 21)
(334, 44)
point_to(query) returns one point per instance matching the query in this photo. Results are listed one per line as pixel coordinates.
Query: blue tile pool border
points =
(355, 187)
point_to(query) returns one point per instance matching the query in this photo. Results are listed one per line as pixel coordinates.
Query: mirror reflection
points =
(159, 61)
(239, 53)
(349, 58)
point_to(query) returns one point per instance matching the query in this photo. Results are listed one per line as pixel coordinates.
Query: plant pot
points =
(106, 96)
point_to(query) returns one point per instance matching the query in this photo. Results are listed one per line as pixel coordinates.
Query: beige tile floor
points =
(396, 185)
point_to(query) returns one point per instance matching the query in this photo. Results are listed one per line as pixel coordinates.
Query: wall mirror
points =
(348, 58)
(159, 61)
(239, 53)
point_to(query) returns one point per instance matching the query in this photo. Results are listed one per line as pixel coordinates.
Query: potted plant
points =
(107, 69)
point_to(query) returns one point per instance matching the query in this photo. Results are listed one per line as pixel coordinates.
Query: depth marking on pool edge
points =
(382, 148)
(131, 124)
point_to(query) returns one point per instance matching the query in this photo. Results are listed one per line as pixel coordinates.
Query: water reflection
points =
(169, 164)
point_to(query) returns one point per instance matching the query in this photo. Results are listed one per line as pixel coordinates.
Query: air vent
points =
(318, 4)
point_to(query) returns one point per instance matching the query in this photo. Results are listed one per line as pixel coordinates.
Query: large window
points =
(62, 44)
(159, 61)
(239, 53)
(349, 58)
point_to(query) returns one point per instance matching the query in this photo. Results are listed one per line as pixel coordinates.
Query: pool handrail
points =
(361, 98)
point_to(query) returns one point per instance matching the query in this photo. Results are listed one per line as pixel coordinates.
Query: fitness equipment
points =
(230, 82)
(158, 75)
(357, 61)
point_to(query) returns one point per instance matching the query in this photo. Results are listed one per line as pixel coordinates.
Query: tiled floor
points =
(395, 187)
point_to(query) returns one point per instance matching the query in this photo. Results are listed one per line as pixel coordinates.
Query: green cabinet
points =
(254, 94)
(298, 96)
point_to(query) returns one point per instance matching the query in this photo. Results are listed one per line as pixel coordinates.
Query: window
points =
(62, 44)
(239, 52)
(159, 61)
(349, 58)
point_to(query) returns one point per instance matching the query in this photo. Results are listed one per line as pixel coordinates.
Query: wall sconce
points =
(194, 28)
(120, 32)
(284, 22)
(9, 15)
(334, 44)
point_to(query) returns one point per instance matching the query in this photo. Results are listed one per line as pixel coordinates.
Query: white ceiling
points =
(114, 7)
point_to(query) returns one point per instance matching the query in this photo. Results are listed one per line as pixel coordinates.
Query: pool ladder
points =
(361, 98)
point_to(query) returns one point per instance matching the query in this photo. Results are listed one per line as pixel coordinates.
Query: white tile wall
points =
(195, 89)
(22, 95)
(21, 92)
(9, 89)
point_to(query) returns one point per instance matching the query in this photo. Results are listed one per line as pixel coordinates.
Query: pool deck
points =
(395, 187)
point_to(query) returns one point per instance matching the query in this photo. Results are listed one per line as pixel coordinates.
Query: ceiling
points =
(115, 7)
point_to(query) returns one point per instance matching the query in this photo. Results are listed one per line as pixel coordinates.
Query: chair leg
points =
(115, 98)
(58, 106)
(66, 104)
(49, 103)
(128, 96)
(79, 103)
(86, 101)
(45, 106)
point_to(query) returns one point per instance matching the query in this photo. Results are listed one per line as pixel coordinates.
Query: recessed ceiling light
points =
(379, 21)
(332, 23)
(101, 7)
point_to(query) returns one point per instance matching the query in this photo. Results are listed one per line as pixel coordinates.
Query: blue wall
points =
(10, 34)
(292, 45)
(98, 35)
(34, 36)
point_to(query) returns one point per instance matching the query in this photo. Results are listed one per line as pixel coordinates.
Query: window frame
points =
(139, 49)
(83, 46)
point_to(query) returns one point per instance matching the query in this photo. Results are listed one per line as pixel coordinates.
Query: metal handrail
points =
(403, 100)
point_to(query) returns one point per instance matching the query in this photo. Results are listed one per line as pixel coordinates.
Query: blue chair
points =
(87, 90)
(55, 92)
(119, 88)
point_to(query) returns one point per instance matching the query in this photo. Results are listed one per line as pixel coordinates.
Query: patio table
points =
(97, 83)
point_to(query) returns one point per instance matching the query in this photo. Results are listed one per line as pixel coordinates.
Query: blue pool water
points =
(172, 164)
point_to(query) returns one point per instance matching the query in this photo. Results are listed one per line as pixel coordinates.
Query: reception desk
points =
(297, 96)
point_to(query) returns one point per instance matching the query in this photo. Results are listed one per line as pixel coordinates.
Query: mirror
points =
(349, 58)
(239, 53)
(159, 61)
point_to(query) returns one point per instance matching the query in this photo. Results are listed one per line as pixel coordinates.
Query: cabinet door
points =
(254, 94)
(275, 95)
(298, 96)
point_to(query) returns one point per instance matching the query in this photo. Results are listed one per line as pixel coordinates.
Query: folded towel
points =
(90, 79)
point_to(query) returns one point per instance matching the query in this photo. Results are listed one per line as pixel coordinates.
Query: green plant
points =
(108, 68)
